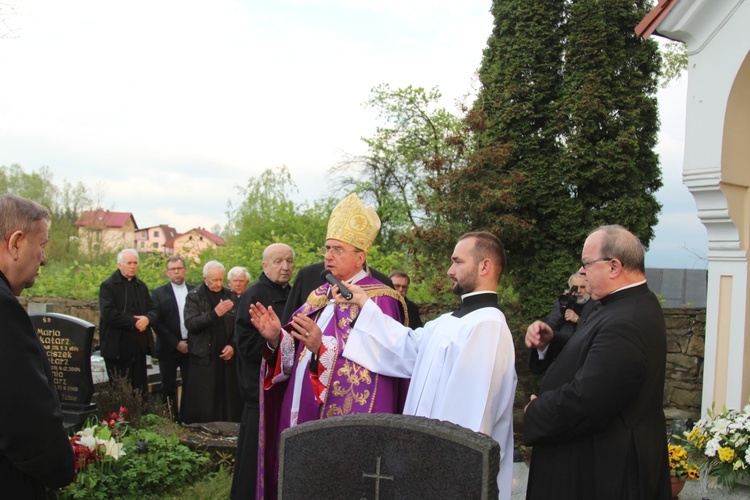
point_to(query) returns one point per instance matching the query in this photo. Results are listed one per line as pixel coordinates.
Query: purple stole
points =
(372, 393)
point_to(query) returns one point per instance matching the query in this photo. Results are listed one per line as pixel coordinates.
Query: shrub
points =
(152, 463)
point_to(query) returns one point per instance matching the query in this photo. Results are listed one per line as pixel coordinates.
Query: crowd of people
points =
(272, 355)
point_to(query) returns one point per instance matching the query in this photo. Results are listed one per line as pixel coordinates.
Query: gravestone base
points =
(77, 415)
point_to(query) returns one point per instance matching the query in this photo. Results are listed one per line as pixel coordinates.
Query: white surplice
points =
(462, 370)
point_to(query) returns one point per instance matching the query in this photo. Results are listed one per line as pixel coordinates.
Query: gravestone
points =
(382, 456)
(67, 341)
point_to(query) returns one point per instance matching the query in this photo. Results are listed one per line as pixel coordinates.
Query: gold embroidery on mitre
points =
(353, 223)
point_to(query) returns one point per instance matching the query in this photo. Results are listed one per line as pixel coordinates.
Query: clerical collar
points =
(473, 301)
(471, 294)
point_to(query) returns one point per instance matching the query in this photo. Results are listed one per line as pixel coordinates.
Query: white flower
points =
(713, 446)
(720, 426)
(113, 448)
(88, 431)
(89, 442)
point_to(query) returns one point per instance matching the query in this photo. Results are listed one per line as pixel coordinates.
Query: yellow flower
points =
(726, 454)
(692, 473)
(697, 437)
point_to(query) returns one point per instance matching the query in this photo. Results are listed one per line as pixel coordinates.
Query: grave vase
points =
(677, 485)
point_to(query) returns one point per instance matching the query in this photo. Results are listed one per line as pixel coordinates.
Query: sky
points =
(163, 108)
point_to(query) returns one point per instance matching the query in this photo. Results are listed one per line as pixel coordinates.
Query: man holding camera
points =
(570, 310)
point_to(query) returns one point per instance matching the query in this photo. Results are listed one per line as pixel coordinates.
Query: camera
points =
(567, 299)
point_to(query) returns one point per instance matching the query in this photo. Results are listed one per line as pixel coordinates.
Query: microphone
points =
(327, 276)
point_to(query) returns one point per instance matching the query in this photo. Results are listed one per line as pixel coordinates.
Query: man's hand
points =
(306, 331)
(141, 323)
(532, 398)
(227, 353)
(570, 315)
(223, 307)
(538, 335)
(359, 297)
(266, 322)
(182, 347)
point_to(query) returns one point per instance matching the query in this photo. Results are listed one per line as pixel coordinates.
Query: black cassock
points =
(597, 428)
(212, 392)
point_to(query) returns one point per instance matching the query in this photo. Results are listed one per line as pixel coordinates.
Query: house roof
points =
(105, 219)
(649, 23)
(199, 231)
(168, 231)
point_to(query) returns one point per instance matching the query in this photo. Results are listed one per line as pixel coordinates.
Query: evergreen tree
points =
(521, 76)
(610, 117)
(561, 139)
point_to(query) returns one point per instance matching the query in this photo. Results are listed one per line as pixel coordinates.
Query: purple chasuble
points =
(372, 393)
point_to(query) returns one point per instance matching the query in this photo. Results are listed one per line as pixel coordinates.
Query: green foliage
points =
(674, 61)
(268, 214)
(559, 141)
(81, 280)
(166, 467)
(216, 485)
(65, 204)
(413, 130)
(109, 398)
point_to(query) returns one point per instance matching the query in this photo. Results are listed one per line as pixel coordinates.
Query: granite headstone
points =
(384, 456)
(67, 341)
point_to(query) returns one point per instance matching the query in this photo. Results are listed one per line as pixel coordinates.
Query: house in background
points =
(152, 239)
(191, 243)
(102, 231)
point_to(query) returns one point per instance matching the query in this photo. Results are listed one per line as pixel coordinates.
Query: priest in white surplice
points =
(462, 364)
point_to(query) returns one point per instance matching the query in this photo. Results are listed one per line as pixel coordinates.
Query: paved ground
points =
(692, 490)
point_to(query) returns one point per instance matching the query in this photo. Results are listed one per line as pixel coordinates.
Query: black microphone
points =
(327, 276)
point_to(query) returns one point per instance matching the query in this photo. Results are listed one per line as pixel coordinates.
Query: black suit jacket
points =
(598, 427)
(415, 321)
(167, 320)
(250, 343)
(308, 279)
(34, 447)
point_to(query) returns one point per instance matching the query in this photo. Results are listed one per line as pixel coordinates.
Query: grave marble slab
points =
(386, 456)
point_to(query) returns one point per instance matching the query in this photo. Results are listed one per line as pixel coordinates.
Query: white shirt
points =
(462, 370)
(180, 294)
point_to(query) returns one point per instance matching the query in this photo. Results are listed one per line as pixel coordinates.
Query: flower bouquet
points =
(722, 443)
(98, 441)
(680, 465)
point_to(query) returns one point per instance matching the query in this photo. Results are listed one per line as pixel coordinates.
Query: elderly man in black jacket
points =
(126, 312)
(35, 454)
(271, 289)
(212, 393)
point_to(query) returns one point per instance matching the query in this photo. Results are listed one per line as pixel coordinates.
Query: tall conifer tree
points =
(568, 89)
(521, 76)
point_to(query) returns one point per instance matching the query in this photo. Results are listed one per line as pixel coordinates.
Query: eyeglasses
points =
(587, 263)
(337, 251)
(172, 269)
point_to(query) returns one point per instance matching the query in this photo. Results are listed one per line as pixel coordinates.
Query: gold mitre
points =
(354, 223)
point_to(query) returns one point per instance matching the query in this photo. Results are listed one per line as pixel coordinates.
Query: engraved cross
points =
(377, 478)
